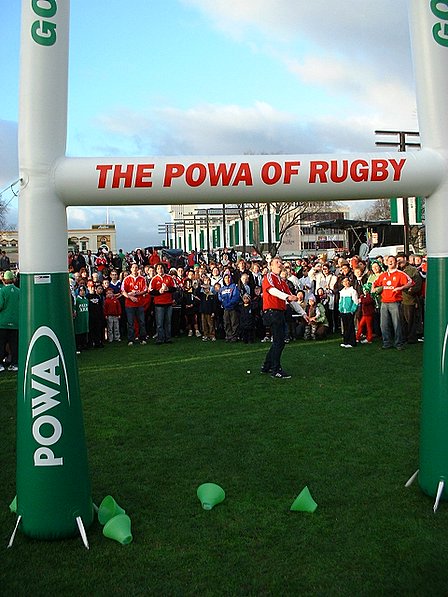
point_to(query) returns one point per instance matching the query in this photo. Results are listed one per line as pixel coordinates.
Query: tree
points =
(3, 214)
(378, 210)
(6, 196)
(287, 214)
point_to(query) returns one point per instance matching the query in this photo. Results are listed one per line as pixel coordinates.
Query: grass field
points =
(162, 420)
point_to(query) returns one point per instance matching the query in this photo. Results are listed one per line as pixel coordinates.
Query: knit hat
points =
(8, 275)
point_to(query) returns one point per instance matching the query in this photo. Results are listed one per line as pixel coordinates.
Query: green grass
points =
(162, 420)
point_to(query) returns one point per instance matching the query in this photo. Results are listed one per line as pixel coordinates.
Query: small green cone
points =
(108, 509)
(304, 502)
(118, 528)
(210, 495)
(13, 505)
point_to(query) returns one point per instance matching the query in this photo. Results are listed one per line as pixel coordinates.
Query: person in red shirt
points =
(162, 287)
(275, 293)
(112, 313)
(134, 289)
(393, 282)
(154, 258)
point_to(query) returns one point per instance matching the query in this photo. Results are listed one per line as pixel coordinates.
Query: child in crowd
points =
(247, 321)
(348, 305)
(206, 309)
(112, 313)
(367, 314)
(191, 302)
(218, 312)
(81, 320)
(317, 324)
(96, 317)
(257, 308)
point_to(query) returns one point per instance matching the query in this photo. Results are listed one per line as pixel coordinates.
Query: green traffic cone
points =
(108, 509)
(210, 495)
(118, 528)
(13, 505)
(304, 502)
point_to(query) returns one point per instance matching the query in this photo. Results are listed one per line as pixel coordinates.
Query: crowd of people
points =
(144, 296)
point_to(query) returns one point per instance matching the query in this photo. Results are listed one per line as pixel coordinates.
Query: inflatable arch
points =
(53, 487)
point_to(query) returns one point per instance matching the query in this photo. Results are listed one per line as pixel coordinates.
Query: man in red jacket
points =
(276, 294)
(162, 287)
(134, 289)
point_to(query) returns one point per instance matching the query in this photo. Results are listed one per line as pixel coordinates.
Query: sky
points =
(217, 77)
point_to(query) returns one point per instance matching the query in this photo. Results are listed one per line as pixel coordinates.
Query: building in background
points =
(286, 228)
(94, 238)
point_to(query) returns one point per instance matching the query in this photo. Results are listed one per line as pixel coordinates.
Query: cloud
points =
(230, 130)
(344, 47)
(358, 28)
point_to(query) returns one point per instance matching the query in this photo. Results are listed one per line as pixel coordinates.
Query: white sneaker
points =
(343, 345)
(2, 368)
(13, 368)
(348, 346)
(198, 334)
(130, 344)
(143, 342)
(190, 333)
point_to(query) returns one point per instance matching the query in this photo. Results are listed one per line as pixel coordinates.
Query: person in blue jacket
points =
(229, 296)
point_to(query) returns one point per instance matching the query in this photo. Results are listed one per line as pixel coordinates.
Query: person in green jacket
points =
(9, 321)
(81, 319)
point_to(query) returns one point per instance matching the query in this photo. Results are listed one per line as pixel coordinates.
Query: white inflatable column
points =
(53, 488)
(429, 29)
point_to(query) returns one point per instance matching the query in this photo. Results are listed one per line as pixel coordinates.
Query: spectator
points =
(5, 262)
(317, 325)
(393, 282)
(81, 320)
(191, 302)
(247, 321)
(367, 308)
(411, 299)
(206, 309)
(112, 313)
(134, 290)
(96, 318)
(162, 288)
(9, 321)
(348, 305)
(229, 297)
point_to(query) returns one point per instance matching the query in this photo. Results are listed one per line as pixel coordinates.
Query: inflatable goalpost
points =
(53, 486)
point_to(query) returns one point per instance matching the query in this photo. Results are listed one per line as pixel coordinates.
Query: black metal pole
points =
(195, 234)
(208, 235)
(268, 206)
(243, 228)
(224, 234)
